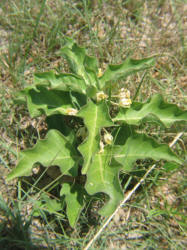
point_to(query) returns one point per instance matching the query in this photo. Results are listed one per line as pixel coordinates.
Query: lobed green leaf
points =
(165, 113)
(74, 198)
(101, 177)
(54, 150)
(95, 116)
(80, 63)
(49, 102)
(41, 100)
(128, 67)
(62, 81)
(140, 146)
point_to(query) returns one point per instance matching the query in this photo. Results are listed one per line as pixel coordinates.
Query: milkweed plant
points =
(92, 130)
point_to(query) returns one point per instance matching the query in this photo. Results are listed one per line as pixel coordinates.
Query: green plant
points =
(92, 128)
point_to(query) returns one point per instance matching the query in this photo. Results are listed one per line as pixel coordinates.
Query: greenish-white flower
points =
(108, 138)
(71, 111)
(125, 102)
(124, 98)
(101, 96)
(124, 93)
(100, 73)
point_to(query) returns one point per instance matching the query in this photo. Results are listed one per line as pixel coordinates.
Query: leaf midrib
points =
(92, 135)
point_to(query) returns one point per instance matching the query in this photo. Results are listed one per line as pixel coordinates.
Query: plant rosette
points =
(103, 145)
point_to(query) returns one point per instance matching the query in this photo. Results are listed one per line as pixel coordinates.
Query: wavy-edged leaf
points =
(140, 146)
(104, 178)
(74, 198)
(80, 63)
(41, 100)
(128, 67)
(49, 102)
(91, 63)
(165, 112)
(62, 81)
(54, 150)
(95, 116)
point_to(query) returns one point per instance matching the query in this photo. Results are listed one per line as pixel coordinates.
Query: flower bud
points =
(99, 72)
(101, 96)
(71, 111)
(124, 98)
(108, 138)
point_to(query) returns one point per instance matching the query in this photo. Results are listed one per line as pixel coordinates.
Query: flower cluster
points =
(124, 98)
